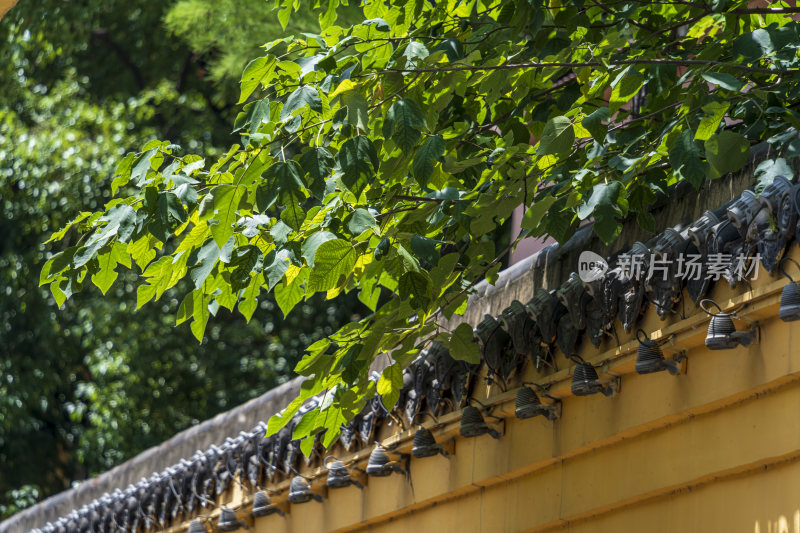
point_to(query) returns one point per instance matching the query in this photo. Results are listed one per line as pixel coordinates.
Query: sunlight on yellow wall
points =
(5, 5)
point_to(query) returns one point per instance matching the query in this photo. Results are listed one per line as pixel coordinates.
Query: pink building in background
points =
(527, 246)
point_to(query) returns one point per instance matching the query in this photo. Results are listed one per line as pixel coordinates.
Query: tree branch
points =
(417, 198)
(102, 35)
(611, 12)
(184, 74)
(765, 10)
(515, 66)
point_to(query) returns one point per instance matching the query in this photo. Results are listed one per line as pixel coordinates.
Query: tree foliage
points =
(378, 158)
(229, 33)
(88, 387)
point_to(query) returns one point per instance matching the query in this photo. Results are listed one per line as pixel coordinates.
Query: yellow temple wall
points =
(716, 448)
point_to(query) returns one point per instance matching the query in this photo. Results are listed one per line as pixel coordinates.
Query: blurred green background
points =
(87, 387)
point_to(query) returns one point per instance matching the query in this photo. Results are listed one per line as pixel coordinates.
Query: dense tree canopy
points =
(86, 387)
(229, 33)
(378, 158)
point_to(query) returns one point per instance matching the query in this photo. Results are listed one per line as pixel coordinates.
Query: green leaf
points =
(160, 225)
(684, 157)
(352, 364)
(444, 267)
(313, 354)
(764, 40)
(306, 425)
(416, 287)
(356, 109)
(360, 221)
(389, 385)
(603, 206)
(249, 302)
(558, 225)
(594, 123)
(317, 163)
(557, 137)
(492, 274)
(482, 224)
(144, 293)
(308, 63)
(308, 389)
(714, 113)
(55, 265)
(207, 257)
(332, 420)
(187, 195)
(141, 166)
(293, 215)
(425, 248)
(121, 222)
(261, 112)
(280, 233)
(252, 226)
(58, 235)
(533, 216)
(143, 250)
(283, 181)
(107, 274)
(328, 17)
(646, 221)
(414, 52)
(463, 347)
(603, 196)
(432, 150)
(333, 263)
(201, 316)
(195, 306)
(726, 81)
(408, 261)
(606, 226)
(84, 254)
(768, 170)
(623, 91)
(382, 248)
(226, 203)
(379, 23)
(311, 244)
(727, 152)
(283, 16)
(747, 47)
(254, 170)
(358, 162)
(258, 71)
(278, 267)
(305, 96)
(403, 123)
(369, 296)
(287, 296)
(122, 174)
(58, 295)
(793, 149)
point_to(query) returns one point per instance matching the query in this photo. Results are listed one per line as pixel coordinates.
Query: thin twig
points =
(514, 66)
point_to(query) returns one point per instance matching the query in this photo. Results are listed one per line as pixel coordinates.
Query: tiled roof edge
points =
(155, 459)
